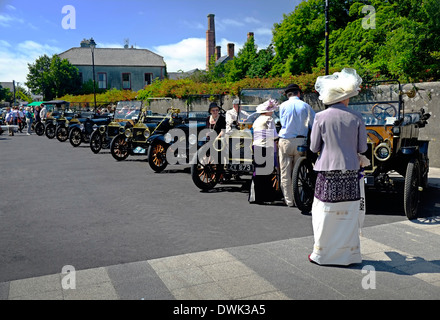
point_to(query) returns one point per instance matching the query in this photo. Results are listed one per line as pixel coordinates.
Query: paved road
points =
(61, 205)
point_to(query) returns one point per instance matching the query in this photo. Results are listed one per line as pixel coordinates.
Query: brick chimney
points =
(210, 39)
(231, 53)
(218, 52)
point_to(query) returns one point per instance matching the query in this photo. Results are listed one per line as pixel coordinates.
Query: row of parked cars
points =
(177, 137)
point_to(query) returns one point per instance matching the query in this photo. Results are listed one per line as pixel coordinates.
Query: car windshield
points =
(379, 103)
(251, 98)
(128, 110)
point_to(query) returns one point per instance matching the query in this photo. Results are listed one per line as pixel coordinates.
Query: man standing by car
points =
(235, 115)
(296, 119)
(43, 113)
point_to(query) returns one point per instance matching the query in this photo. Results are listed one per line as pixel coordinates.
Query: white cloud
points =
(185, 55)
(14, 59)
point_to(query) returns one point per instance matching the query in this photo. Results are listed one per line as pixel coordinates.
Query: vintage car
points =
(81, 130)
(231, 156)
(58, 127)
(136, 140)
(179, 141)
(55, 109)
(126, 115)
(395, 151)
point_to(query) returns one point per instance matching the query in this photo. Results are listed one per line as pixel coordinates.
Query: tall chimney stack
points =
(210, 40)
(231, 50)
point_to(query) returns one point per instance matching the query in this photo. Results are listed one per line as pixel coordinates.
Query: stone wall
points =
(427, 97)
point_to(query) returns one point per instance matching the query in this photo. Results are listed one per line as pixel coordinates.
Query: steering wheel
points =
(383, 112)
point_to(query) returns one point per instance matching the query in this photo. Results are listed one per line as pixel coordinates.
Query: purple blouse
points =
(339, 134)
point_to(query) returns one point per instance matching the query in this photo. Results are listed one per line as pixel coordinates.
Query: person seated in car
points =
(215, 121)
(235, 115)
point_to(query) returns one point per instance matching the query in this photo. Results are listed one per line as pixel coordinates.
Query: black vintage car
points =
(395, 150)
(59, 126)
(55, 109)
(136, 140)
(179, 144)
(87, 122)
(125, 116)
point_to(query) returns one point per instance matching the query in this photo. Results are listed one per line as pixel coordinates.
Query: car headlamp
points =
(121, 130)
(127, 133)
(396, 131)
(382, 151)
(102, 129)
(146, 133)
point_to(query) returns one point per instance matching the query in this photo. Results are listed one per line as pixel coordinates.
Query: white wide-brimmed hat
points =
(338, 86)
(267, 106)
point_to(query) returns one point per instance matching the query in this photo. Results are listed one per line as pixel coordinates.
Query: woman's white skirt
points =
(336, 233)
(336, 228)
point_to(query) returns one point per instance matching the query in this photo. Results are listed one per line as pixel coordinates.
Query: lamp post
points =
(326, 37)
(92, 47)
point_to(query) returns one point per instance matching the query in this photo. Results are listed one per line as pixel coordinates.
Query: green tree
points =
(39, 79)
(262, 64)
(53, 77)
(401, 45)
(238, 68)
(299, 38)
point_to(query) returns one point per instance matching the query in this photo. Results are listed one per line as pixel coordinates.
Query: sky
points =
(174, 29)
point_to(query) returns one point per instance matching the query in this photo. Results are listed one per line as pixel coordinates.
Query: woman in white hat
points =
(338, 134)
(262, 188)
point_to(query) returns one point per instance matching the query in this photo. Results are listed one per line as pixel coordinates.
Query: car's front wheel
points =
(62, 134)
(50, 131)
(39, 128)
(119, 147)
(411, 193)
(96, 141)
(157, 156)
(75, 137)
(204, 172)
(303, 181)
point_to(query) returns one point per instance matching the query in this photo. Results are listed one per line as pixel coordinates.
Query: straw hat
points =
(338, 86)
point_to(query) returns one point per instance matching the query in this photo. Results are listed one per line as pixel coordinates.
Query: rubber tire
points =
(205, 177)
(50, 131)
(119, 142)
(75, 137)
(303, 183)
(39, 129)
(62, 134)
(96, 142)
(157, 156)
(411, 193)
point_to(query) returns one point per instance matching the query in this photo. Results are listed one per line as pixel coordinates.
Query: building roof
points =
(113, 57)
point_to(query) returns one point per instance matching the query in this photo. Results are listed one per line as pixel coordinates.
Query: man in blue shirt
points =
(296, 119)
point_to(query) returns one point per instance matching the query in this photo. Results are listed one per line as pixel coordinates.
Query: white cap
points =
(338, 86)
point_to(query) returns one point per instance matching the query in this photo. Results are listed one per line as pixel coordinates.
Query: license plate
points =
(240, 167)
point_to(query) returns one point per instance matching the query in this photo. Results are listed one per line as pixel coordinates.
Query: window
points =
(126, 81)
(102, 80)
(148, 78)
